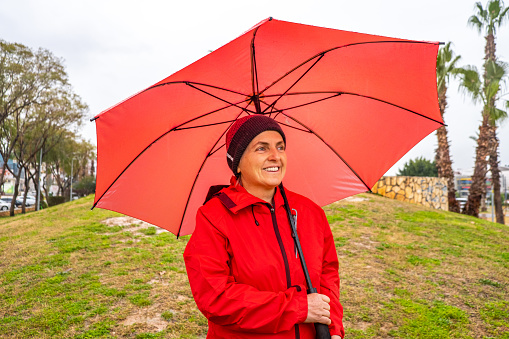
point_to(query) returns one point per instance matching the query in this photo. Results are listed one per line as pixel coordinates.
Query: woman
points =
(241, 261)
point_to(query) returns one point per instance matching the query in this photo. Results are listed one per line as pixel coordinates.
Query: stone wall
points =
(427, 191)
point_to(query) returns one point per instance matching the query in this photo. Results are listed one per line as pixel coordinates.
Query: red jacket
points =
(243, 270)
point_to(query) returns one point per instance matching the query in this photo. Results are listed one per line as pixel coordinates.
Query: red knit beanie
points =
(242, 132)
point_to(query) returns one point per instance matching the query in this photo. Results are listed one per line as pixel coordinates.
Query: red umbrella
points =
(350, 104)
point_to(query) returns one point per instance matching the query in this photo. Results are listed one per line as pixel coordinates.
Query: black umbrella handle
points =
(322, 330)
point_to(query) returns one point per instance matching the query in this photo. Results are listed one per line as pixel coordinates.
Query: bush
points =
(52, 201)
(43, 204)
(85, 186)
(419, 167)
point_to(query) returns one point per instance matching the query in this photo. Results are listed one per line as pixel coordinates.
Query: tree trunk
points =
(489, 48)
(27, 183)
(495, 176)
(443, 158)
(16, 191)
(478, 186)
(44, 187)
(36, 181)
(2, 175)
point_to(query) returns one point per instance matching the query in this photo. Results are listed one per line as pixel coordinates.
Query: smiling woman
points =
(243, 265)
(263, 165)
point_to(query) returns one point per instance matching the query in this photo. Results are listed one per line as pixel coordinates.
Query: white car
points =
(4, 206)
(30, 200)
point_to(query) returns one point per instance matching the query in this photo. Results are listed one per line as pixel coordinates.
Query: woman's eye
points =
(261, 148)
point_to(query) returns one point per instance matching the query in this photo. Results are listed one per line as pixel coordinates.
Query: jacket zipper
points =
(285, 258)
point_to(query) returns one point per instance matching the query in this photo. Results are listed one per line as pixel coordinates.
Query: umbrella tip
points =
(441, 43)
(91, 120)
(270, 18)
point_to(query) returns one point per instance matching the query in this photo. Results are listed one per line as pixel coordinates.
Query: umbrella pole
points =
(322, 330)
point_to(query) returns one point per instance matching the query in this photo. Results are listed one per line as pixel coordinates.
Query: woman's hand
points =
(318, 309)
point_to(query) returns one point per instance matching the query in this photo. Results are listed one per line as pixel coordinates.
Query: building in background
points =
(7, 187)
(463, 180)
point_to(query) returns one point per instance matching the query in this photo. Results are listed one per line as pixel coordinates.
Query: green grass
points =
(406, 272)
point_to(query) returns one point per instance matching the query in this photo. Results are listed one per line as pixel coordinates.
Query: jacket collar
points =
(238, 198)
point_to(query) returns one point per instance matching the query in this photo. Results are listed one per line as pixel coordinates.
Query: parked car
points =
(30, 200)
(8, 200)
(462, 202)
(4, 206)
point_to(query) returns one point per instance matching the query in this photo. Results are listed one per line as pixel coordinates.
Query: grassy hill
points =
(406, 272)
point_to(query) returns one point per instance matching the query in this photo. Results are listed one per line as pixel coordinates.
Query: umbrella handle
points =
(322, 330)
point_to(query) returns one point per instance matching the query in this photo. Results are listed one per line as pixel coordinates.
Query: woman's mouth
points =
(271, 169)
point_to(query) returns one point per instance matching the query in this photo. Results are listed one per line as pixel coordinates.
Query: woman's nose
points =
(274, 154)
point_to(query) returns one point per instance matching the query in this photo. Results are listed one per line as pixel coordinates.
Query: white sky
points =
(113, 49)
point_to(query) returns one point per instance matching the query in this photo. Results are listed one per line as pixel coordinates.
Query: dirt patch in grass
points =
(150, 316)
(133, 225)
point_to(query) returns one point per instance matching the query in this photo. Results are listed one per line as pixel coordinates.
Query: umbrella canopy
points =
(351, 105)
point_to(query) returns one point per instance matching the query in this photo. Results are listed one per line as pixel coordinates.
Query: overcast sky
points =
(113, 49)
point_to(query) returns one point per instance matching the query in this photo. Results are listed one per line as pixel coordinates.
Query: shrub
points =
(52, 201)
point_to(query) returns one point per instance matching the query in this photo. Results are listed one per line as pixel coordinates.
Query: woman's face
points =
(263, 164)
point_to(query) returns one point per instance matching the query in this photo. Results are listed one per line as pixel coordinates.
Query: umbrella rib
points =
(331, 148)
(289, 88)
(322, 53)
(336, 94)
(217, 149)
(394, 105)
(198, 174)
(298, 129)
(221, 99)
(254, 73)
(353, 94)
(175, 83)
(157, 139)
(194, 83)
(206, 125)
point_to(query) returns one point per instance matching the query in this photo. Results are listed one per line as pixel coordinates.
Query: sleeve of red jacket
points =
(228, 303)
(329, 282)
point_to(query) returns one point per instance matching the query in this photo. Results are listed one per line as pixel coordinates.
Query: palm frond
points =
(490, 18)
(452, 66)
(494, 8)
(446, 65)
(496, 75)
(476, 23)
(496, 71)
(490, 91)
(471, 83)
(480, 9)
(474, 137)
(497, 115)
(503, 16)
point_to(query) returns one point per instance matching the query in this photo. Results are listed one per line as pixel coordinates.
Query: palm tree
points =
(499, 73)
(487, 142)
(446, 67)
(487, 20)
